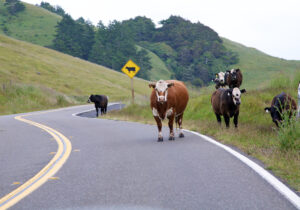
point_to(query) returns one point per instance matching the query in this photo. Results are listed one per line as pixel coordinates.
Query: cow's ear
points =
(267, 109)
(170, 84)
(217, 75)
(243, 91)
(237, 70)
(152, 85)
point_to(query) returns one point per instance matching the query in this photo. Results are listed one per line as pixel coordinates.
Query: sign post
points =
(131, 69)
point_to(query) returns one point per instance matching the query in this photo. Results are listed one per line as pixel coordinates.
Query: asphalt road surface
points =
(119, 165)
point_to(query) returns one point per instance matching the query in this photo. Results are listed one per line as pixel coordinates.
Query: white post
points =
(298, 115)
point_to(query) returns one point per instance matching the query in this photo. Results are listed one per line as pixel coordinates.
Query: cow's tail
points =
(177, 117)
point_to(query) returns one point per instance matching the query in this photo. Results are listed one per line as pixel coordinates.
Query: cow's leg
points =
(181, 135)
(159, 126)
(218, 118)
(171, 122)
(102, 110)
(235, 119)
(227, 119)
(97, 111)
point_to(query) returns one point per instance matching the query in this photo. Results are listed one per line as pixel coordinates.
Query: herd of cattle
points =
(169, 99)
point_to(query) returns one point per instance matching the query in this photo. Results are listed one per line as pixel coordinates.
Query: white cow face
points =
(221, 77)
(236, 95)
(161, 89)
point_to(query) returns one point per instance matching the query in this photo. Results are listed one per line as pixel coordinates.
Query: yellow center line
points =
(61, 156)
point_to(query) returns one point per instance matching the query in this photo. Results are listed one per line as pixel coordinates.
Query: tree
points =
(74, 38)
(14, 6)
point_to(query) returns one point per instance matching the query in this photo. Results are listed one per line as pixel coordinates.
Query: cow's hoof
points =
(171, 138)
(181, 135)
(160, 139)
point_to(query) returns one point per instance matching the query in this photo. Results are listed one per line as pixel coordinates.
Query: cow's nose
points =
(238, 103)
(161, 98)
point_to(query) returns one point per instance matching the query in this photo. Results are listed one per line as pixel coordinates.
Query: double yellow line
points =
(61, 156)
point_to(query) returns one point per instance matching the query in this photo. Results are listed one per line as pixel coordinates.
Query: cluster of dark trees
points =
(55, 9)
(14, 6)
(192, 51)
(111, 46)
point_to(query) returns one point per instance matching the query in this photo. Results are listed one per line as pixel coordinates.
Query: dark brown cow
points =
(280, 103)
(168, 99)
(227, 102)
(234, 78)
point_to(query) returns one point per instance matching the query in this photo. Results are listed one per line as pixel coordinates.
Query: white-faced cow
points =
(100, 102)
(234, 78)
(168, 99)
(220, 79)
(227, 102)
(281, 103)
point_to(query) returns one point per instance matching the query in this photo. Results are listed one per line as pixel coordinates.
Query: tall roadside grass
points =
(16, 98)
(256, 135)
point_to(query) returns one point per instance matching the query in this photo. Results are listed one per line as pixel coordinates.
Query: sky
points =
(271, 26)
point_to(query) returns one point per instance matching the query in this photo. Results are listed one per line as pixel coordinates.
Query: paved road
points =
(119, 165)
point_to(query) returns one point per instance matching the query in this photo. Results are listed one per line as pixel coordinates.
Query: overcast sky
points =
(272, 26)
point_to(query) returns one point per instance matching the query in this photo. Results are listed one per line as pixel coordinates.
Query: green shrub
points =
(289, 133)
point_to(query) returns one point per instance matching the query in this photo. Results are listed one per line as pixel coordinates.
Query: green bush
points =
(289, 133)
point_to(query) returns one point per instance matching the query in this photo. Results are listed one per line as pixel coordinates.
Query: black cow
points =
(100, 102)
(130, 69)
(227, 102)
(280, 103)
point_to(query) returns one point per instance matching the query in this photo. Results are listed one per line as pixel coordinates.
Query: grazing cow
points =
(100, 102)
(168, 99)
(234, 78)
(280, 103)
(220, 79)
(227, 102)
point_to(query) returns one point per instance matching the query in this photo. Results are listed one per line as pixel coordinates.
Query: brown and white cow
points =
(168, 99)
(220, 79)
(227, 102)
(234, 78)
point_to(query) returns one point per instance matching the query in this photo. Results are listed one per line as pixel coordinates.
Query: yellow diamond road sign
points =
(130, 69)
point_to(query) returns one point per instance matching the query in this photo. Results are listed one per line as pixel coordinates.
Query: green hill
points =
(34, 78)
(37, 25)
(34, 24)
(159, 69)
(258, 68)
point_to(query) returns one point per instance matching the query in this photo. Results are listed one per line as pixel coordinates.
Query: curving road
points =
(119, 165)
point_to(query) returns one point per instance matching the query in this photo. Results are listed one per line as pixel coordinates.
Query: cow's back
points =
(284, 100)
(178, 96)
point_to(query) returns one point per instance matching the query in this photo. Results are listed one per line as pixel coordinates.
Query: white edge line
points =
(278, 185)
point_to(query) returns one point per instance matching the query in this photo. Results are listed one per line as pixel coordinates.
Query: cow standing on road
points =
(227, 102)
(100, 102)
(168, 99)
(281, 103)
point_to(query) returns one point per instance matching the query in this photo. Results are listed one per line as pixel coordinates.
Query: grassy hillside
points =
(34, 24)
(34, 77)
(159, 69)
(257, 67)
